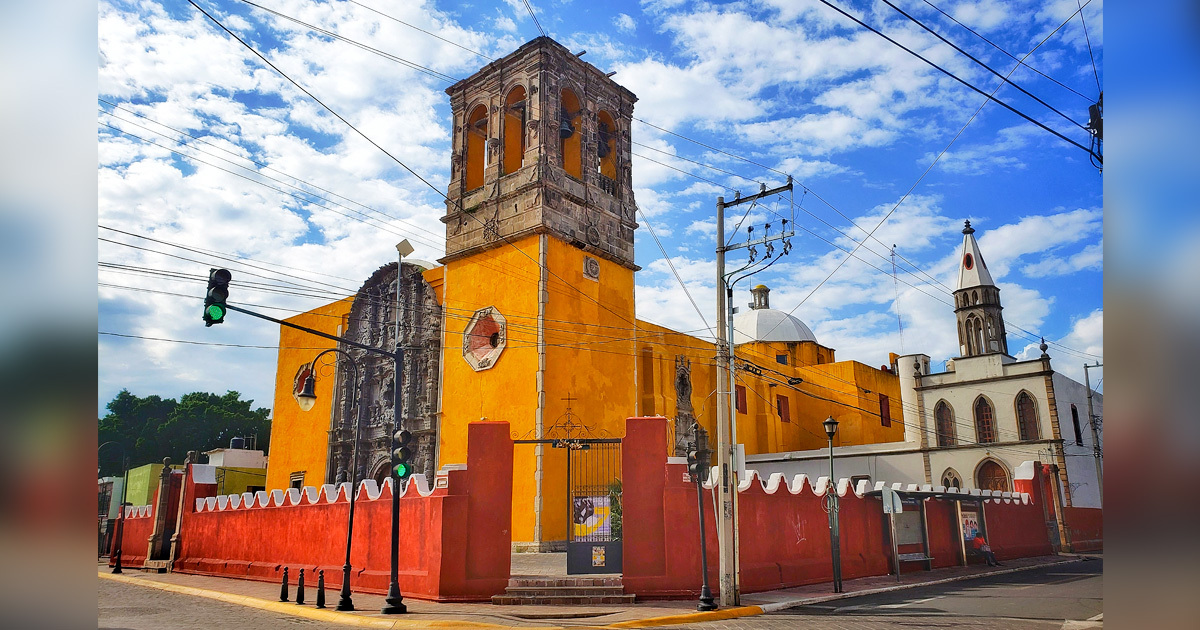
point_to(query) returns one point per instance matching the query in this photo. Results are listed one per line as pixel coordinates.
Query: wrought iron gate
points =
(594, 499)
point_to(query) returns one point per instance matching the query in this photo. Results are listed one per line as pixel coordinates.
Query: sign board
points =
(970, 524)
(892, 504)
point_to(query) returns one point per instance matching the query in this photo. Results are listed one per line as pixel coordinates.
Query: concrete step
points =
(563, 591)
(588, 600)
(536, 581)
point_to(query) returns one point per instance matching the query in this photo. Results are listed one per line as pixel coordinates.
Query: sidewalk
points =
(423, 614)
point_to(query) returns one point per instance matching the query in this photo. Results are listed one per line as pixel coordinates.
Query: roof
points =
(972, 271)
(768, 324)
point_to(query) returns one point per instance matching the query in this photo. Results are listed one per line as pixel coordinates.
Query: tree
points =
(152, 428)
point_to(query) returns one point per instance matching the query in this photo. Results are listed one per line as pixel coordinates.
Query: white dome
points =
(768, 324)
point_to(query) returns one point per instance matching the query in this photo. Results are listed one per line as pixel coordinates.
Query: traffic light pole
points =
(395, 600)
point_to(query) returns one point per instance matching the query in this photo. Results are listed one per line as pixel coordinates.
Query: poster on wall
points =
(591, 517)
(970, 524)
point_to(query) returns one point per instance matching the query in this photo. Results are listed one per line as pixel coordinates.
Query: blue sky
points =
(281, 192)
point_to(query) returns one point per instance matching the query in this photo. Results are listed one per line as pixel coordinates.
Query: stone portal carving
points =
(372, 321)
(684, 417)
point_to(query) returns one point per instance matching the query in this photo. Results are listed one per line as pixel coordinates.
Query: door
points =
(594, 499)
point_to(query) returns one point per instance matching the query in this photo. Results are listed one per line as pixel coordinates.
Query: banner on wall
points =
(591, 517)
(970, 524)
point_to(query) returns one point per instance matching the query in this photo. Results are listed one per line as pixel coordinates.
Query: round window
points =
(968, 261)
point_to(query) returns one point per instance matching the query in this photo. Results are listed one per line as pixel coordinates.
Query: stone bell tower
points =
(541, 144)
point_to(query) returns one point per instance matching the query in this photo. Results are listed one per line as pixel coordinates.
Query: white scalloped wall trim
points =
(368, 490)
(800, 482)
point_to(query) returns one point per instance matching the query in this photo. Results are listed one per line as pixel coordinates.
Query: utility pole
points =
(726, 404)
(1095, 431)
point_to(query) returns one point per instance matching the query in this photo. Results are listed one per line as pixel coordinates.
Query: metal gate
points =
(594, 499)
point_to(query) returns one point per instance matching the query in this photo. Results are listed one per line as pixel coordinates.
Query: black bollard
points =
(300, 589)
(283, 595)
(321, 588)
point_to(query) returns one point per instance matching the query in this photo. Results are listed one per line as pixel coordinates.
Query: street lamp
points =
(121, 516)
(307, 398)
(831, 506)
(394, 604)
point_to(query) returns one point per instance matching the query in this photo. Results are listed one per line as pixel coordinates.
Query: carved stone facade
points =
(568, 170)
(372, 321)
(684, 416)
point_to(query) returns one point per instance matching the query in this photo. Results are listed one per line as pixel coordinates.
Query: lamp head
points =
(307, 398)
(404, 247)
(831, 426)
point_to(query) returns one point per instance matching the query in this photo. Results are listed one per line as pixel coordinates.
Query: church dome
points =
(768, 324)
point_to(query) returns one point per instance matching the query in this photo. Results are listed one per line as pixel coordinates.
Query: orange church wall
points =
(300, 440)
(507, 278)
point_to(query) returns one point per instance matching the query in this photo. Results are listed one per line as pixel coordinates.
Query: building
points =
(974, 424)
(530, 318)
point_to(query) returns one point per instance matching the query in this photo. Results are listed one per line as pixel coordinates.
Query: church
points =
(530, 319)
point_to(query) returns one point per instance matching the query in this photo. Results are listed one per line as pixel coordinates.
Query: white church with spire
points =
(983, 421)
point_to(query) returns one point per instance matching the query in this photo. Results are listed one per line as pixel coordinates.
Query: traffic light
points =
(402, 454)
(697, 462)
(214, 300)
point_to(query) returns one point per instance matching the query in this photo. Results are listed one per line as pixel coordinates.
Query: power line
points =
(1005, 52)
(535, 20)
(987, 67)
(956, 78)
(1095, 71)
(435, 35)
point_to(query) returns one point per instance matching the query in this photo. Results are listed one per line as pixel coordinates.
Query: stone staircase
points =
(558, 591)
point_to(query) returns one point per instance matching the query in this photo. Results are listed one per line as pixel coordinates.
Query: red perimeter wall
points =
(784, 534)
(1086, 528)
(454, 544)
(135, 537)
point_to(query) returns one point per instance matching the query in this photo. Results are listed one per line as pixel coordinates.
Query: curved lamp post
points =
(121, 515)
(831, 506)
(307, 398)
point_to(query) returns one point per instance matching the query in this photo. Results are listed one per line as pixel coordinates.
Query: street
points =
(1055, 597)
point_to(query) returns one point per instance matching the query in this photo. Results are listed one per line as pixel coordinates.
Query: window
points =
(606, 151)
(991, 476)
(885, 411)
(741, 398)
(1027, 424)
(514, 130)
(570, 133)
(297, 479)
(985, 425)
(781, 358)
(951, 479)
(944, 417)
(781, 405)
(476, 146)
(1075, 421)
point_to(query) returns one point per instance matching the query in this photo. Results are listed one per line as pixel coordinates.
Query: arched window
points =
(977, 336)
(944, 416)
(570, 133)
(476, 146)
(985, 424)
(1027, 424)
(514, 130)
(991, 476)
(1075, 421)
(606, 151)
(951, 479)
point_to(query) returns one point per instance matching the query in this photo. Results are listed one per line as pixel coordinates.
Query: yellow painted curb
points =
(696, 617)
(287, 608)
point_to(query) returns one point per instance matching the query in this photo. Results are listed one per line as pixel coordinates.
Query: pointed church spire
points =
(977, 303)
(972, 271)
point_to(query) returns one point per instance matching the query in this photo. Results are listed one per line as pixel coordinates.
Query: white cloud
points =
(1089, 258)
(624, 23)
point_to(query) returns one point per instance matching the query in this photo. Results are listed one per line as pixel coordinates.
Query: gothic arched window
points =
(476, 146)
(944, 416)
(985, 423)
(570, 133)
(514, 130)
(951, 479)
(1027, 424)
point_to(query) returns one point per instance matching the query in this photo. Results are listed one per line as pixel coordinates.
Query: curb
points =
(696, 617)
(795, 603)
(289, 608)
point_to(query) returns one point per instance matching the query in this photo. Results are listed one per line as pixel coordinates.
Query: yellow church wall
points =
(507, 278)
(300, 440)
(589, 356)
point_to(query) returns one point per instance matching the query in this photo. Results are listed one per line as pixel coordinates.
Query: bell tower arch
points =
(977, 303)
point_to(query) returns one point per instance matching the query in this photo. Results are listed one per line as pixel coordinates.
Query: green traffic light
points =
(402, 470)
(216, 312)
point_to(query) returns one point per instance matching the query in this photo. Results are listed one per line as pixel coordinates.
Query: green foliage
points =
(614, 507)
(152, 428)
